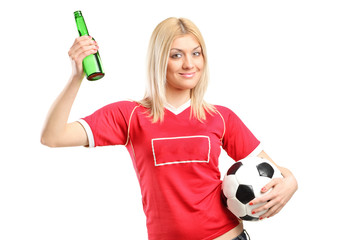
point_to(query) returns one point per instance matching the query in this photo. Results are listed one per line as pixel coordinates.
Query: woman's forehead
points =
(186, 41)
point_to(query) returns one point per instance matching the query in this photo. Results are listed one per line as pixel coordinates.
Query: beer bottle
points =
(92, 64)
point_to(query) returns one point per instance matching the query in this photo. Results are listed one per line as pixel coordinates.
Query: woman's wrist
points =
(289, 176)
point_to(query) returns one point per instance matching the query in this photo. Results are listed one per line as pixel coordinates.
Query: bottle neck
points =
(81, 26)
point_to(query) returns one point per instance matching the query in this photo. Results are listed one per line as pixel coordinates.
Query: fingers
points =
(282, 189)
(272, 202)
(270, 185)
(260, 200)
(82, 47)
(266, 188)
(272, 207)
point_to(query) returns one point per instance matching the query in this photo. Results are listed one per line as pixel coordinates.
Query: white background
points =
(289, 69)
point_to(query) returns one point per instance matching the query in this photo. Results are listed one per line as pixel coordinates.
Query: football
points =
(243, 182)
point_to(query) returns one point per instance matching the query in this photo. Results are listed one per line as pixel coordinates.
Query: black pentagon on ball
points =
(234, 168)
(265, 170)
(249, 218)
(245, 193)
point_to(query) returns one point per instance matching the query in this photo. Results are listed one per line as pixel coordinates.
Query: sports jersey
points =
(176, 162)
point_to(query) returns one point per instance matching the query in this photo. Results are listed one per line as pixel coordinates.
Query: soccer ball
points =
(243, 183)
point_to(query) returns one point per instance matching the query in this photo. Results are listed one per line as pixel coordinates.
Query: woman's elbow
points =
(48, 141)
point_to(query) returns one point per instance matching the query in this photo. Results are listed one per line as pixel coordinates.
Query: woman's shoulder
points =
(223, 110)
(226, 113)
(122, 106)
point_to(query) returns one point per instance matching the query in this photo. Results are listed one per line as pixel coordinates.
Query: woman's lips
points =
(188, 75)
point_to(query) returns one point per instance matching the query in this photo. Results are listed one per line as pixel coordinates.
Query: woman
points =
(173, 137)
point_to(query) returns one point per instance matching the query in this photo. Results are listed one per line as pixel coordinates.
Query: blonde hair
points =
(157, 60)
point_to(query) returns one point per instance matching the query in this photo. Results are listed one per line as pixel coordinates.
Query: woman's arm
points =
(57, 132)
(283, 190)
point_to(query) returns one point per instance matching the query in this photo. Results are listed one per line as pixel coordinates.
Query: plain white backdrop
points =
(289, 69)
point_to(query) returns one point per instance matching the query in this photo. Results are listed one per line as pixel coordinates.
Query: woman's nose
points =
(188, 63)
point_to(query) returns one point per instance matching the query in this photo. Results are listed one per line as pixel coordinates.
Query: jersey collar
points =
(178, 110)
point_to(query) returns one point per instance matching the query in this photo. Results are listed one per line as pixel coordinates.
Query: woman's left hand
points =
(282, 189)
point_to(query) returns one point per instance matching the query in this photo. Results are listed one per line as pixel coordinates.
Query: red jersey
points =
(176, 162)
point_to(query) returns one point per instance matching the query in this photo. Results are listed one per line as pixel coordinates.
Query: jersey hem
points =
(225, 230)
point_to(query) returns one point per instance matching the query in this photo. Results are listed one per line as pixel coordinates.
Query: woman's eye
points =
(197, 53)
(176, 55)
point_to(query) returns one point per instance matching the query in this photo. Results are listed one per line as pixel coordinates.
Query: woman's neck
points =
(177, 98)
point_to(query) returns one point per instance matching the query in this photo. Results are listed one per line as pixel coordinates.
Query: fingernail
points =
(253, 212)
(261, 218)
(251, 204)
(263, 189)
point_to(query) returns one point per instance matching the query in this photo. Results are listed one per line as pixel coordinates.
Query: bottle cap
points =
(77, 14)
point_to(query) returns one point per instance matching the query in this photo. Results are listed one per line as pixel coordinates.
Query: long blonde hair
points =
(157, 60)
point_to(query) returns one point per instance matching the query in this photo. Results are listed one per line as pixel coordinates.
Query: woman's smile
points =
(188, 75)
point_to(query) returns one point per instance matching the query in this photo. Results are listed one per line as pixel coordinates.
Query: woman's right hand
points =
(82, 47)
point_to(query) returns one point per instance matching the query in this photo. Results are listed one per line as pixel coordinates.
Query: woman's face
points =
(186, 63)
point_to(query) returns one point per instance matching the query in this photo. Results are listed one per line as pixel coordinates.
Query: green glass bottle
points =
(92, 64)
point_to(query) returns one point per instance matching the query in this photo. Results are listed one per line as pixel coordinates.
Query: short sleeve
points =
(108, 125)
(238, 141)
